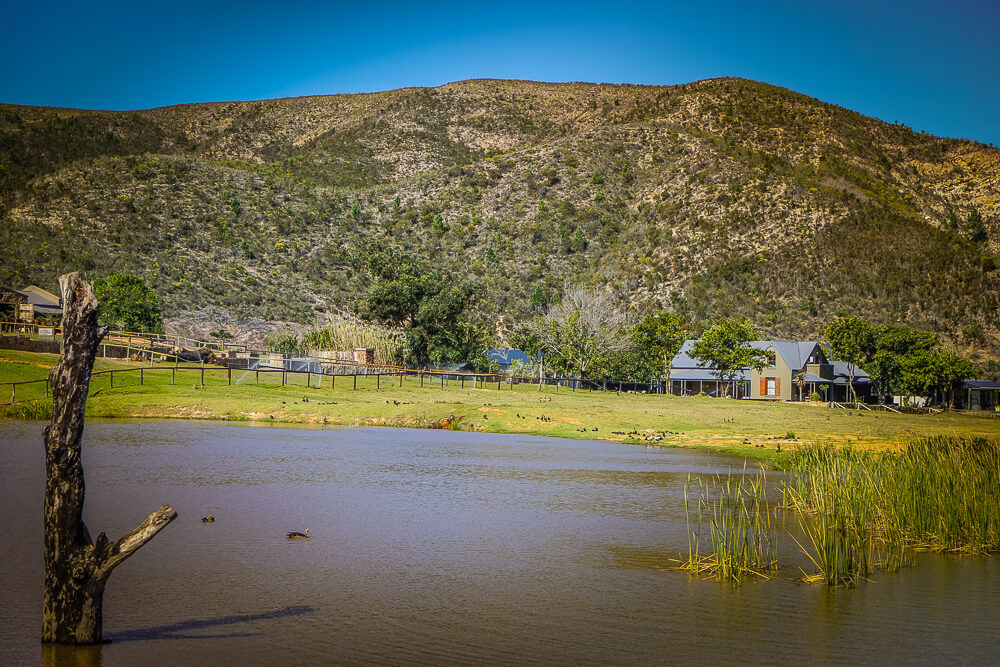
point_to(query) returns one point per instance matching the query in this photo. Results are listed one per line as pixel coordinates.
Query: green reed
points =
(30, 410)
(740, 529)
(862, 511)
(349, 335)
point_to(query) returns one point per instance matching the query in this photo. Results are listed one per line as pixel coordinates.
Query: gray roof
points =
(507, 356)
(840, 370)
(703, 374)
(683, 359)
(796, 354)
(40, 297)
(981, 384)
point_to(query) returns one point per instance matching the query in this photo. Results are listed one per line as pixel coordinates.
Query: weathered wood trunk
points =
(77, 569)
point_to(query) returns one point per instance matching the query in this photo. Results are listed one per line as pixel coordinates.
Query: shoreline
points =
(752, 429)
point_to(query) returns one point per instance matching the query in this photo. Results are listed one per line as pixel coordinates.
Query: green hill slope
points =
(718, 197)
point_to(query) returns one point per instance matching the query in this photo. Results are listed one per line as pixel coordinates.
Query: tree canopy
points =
(659, 337)
(851, 339)
(431, 306)
(582, 329)
(725, 347)
(126, 304)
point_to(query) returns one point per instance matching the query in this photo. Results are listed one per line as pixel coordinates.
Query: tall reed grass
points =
(347, 335)
(29, 410)
(861, 511)
(740, 532)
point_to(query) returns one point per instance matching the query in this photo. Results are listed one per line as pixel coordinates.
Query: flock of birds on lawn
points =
(293, 535)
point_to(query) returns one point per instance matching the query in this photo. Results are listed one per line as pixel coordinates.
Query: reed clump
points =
(861, 511)
(348, 335)
(733, 534)
(28, 411)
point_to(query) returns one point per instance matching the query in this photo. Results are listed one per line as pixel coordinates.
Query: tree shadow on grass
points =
(180, 630)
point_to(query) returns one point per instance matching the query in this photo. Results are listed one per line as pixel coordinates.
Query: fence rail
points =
(427, 378)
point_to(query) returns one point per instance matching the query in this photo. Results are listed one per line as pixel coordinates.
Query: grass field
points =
(746, 427)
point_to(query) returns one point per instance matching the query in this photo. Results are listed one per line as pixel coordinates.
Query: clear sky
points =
(932, 64)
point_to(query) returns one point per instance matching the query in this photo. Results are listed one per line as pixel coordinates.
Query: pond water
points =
(432, 547)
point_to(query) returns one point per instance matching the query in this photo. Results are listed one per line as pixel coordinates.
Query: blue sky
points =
(932, 65)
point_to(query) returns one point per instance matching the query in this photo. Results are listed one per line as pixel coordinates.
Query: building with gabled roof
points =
(794, 370)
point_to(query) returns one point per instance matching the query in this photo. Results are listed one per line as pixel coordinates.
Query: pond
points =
(432, 547)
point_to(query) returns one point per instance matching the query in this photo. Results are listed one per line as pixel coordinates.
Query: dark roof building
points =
(794, 371)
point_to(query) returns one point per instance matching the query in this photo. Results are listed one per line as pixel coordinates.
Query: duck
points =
(296, 535)
(208, 519)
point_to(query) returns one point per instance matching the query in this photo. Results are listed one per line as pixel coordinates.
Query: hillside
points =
(724, 196)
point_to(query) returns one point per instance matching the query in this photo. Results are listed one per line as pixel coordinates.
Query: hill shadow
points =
(180, 630)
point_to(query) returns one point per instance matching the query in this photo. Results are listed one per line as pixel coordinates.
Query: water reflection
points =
(56, 655)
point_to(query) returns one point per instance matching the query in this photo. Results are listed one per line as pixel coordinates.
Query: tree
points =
(285, 344)
(659, 337)
(975, 227)
(928, 371)
(725, 347)
(583, 327)
(851, 340)
(77, 568)
(126, 304)
(431, 307)
(800, 382)
(890, 346)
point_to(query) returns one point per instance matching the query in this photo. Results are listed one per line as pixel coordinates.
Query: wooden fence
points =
(29, 390)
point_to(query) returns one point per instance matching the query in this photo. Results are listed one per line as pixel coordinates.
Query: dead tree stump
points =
(76, 568)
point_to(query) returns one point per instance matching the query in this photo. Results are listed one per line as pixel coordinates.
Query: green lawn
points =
(692, 421)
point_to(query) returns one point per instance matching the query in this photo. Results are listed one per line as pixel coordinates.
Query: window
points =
(770, 357)
(771, 388)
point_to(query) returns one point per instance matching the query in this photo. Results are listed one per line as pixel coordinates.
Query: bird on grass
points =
(294, 535)
(208, 519)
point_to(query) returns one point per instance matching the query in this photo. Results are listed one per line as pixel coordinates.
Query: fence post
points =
(140, 377)
(400, 379)
(203, 374)
(333, 380)
(112, 374)
(463, 382)
(378, 381)
(309, 379)
(257, 373)
(421, 380)
(283, 377)
(355, 380)
(230, 374)
(173, 374)
(13, 391)
(46, 387)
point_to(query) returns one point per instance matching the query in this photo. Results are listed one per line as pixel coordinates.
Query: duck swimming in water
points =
(296, 535)
(208, 519)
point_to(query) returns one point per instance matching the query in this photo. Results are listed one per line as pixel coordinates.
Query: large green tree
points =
(927, 372)
(890, 345)
(659, 336)
(725, 347)
(127, 304)
(431, 306)
(851, 340)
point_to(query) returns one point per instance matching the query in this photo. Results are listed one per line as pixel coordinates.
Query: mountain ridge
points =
(722, 196)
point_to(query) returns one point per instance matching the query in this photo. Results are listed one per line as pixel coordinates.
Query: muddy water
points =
(439, 547)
